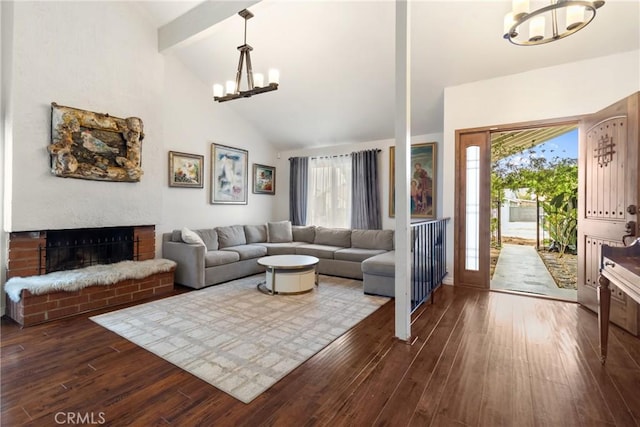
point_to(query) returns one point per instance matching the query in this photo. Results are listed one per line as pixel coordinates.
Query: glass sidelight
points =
(472, 208)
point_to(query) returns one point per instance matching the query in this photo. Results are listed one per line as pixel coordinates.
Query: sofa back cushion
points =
(372, 239)
(232, 235)
(333, 237)
(256, 233)
(280, 232)
(209, 237)
(303, 233)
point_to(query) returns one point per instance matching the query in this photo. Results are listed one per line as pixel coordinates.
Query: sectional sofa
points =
(211, 256)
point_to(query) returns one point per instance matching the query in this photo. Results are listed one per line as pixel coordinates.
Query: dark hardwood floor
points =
(479, 359)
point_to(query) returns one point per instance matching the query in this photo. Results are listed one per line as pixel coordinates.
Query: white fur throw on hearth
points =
(73, 280)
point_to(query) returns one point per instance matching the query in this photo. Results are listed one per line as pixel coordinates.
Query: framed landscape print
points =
(229, 183)
(423, 180)
(264, 179)
(185, 170)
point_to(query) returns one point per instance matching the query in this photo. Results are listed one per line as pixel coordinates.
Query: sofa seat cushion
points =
(319, 251)
(281, 248)
(248, 251)
(381, 265)
(216, 258)
(356, 254)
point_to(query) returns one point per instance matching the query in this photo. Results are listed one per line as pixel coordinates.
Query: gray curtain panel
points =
(365, 195)
(298, 184)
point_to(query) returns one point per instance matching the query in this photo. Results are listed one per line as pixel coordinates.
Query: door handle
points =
(630, 230)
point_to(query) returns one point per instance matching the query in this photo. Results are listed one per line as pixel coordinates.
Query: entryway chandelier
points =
(255, 82)
(565, 17)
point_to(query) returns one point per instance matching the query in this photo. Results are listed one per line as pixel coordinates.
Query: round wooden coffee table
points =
(289, 274)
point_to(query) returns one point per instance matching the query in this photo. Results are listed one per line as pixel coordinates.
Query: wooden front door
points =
(609, 194)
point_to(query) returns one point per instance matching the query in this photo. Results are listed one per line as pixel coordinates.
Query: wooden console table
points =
(621, 266)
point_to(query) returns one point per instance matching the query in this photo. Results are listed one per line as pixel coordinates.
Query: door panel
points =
(608, 184)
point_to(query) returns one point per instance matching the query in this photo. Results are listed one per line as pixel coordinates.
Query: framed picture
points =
(423, 180)
(185, 170)
(95, 146)
(264, 179)
(229, 182)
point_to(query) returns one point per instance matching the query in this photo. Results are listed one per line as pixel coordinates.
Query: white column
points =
(402, 170)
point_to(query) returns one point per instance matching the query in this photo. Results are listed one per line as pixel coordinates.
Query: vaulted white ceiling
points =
(336, 60)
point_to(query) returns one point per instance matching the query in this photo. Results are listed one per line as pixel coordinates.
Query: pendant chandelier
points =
(565, 17)
(255, 82)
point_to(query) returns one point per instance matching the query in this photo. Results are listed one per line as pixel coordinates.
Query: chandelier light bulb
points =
(258, 80)
(520, 8)
(536, 29)
(508, 23)
(231, 87)
(218, 91)
(575, 16)
(274, 76)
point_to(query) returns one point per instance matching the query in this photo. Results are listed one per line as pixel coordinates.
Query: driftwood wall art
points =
(95, 146)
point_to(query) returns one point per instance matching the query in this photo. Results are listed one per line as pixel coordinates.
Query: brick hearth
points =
(25, 260)
(35, 309)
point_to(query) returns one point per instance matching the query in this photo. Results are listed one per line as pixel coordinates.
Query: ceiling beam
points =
(195, 23)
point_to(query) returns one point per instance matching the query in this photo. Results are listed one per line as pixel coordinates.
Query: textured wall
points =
(102, 56)
(94, 56)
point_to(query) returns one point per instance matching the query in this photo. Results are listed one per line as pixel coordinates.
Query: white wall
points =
(103, 57)
(565, 90)
(282, 171)
(192, 121)
(6, 54)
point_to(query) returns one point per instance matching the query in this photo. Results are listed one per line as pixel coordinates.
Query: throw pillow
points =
(280, 232)
(191, 237)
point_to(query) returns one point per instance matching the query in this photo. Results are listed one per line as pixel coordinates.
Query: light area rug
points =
(238, 339)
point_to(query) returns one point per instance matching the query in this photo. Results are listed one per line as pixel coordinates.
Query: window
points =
(472, 258)
(329, 203)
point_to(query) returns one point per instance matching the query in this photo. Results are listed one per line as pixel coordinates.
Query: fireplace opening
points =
(77, 248)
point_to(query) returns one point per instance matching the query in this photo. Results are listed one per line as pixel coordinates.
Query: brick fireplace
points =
(41, 252)
(38, 252)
